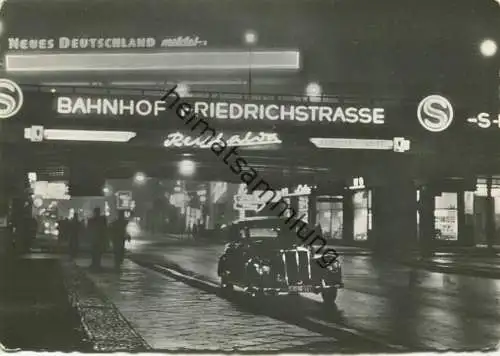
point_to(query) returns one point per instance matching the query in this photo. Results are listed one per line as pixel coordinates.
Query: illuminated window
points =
(446, 216)
(330, 216)
(362, 203)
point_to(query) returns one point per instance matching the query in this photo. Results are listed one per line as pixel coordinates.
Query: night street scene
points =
(250, 176)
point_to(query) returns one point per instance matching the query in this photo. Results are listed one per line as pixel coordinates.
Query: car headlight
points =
(262, 269)
(266, 269)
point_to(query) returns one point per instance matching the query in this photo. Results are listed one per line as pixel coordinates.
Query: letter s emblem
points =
(435, 113)
(11, 98)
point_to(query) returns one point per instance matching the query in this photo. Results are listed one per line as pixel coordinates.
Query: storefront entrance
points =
(330, 216)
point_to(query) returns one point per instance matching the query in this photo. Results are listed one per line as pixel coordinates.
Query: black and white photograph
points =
(250, 176)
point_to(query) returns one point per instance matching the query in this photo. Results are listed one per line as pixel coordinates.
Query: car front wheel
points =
(329, 295)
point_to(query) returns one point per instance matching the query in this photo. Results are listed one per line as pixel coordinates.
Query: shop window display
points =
(446, 216)
(362, 203)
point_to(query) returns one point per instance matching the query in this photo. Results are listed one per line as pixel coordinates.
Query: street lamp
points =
(250, 37)
(187, 167)
(250, 41)
(140, 178)
(183, 90)
(313, 92)
(106, 190)
(488, 47)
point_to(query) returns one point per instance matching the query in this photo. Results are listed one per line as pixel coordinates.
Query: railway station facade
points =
(387, 148)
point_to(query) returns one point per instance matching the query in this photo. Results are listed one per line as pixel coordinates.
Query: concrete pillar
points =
(348, 219)
(490, 214)
(312, 207)
(394, 218)
(427, 228)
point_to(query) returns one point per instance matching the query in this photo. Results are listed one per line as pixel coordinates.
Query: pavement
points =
(399, 306)
(166, 298)
(35, 313)
(106, 329)
(171, 316)
(487, 267)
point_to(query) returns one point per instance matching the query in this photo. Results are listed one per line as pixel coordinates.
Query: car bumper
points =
(293, 289)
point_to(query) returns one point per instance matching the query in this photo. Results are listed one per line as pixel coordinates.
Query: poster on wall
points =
(446, 224)
(446, 216)
(304, 208)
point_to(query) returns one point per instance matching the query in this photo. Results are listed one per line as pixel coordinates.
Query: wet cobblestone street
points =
(172, 316)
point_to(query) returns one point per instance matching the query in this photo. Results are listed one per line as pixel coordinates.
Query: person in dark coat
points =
(63, 231)
(119, 235)
(97, 227)
(32, 230)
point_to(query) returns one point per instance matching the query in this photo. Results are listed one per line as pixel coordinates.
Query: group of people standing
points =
(99, 233)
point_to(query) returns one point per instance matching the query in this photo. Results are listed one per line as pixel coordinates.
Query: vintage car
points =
(264, 256)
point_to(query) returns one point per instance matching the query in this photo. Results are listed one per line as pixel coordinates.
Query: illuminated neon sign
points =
(85, 43)
(116, 106)
(258, 199)
(180, 140)
(485, 120)
(397, 144)
(287, 112)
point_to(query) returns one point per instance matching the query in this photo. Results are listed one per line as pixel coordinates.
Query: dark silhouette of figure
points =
(201, 230)
(195, 230)
(24, 233)
(32, 230)
(97, 227)
(74, 228)
(119, 235)
(62, 228)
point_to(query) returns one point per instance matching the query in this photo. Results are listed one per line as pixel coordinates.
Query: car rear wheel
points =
(329, 295)
(225, 286)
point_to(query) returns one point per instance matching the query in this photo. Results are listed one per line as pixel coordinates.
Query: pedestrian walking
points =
(97, 227)
(201, 230)
(119, 235)
(195, 230)
(32, 230)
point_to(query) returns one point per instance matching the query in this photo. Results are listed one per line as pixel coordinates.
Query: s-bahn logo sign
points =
(435, 113)
(11, 98)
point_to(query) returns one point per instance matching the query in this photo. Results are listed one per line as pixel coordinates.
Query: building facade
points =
(394, 128)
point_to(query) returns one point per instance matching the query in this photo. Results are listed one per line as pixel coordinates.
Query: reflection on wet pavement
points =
(172, 316)
(415, 308)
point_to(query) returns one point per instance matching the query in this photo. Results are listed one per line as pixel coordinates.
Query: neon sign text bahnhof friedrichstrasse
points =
(106, 106)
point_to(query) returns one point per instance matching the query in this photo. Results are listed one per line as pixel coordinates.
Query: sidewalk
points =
(35, 314)
(172, 316)
(105, 327)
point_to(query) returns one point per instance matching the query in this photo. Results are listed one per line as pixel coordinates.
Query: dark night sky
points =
(342, 41)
